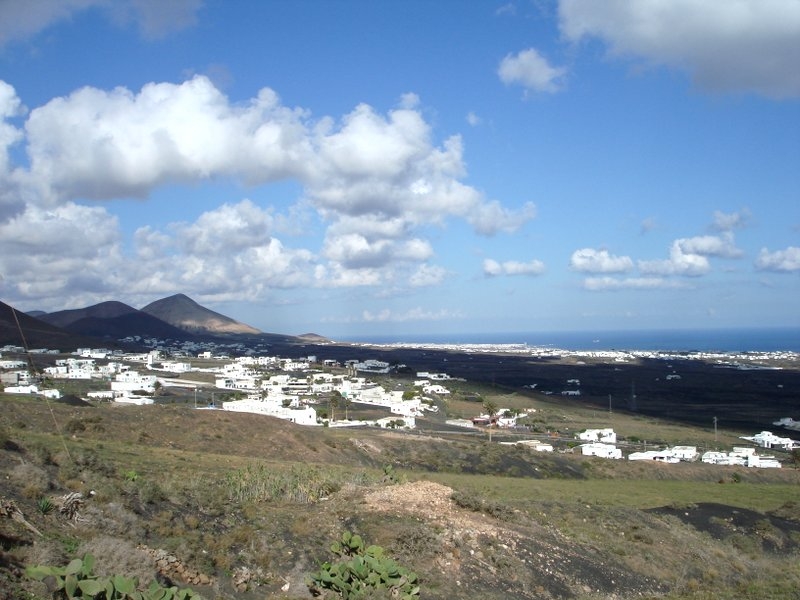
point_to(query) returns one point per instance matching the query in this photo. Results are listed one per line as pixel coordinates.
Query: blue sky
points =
(351, 168)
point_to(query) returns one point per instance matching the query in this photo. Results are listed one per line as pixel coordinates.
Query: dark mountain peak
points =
(104, 310)
(184, 313)
(136, 323)
(313, 337)
(174, 299)
(20, 329)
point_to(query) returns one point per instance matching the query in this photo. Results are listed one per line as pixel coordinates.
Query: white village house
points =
(685, 453)
(739, 456)
(537, 445)
(601, 450)
(665, 456)
(273, 408)
(767, 439)
(132, 381)
(606, 436)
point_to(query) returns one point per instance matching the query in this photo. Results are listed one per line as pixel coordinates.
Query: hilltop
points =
(20, 329)
(186, 314)
(176, 317)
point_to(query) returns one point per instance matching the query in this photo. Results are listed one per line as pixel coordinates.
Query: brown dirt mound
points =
(430, 500)
(531, 560)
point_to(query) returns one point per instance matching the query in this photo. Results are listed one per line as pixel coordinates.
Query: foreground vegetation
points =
(226, 505)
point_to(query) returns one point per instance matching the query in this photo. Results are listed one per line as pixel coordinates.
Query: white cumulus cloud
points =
(491, 218)
(678, 263)
(589, 260)
(21, 19)
(427, 275)
(710, 245)
(103, 145)
(493, 268)
(727, 45)
(532, 71)
(71, 253)
(689, 256)
(730, 221)
(787, 260)
(375, 180)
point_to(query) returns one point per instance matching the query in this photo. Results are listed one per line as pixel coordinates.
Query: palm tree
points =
(347, 403)
(794, 457)
(333, 403)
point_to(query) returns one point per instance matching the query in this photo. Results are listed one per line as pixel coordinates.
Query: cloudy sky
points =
(352, 167)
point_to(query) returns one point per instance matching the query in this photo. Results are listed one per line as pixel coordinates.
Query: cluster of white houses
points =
(602, 443)
(288, 395)
(296, 386)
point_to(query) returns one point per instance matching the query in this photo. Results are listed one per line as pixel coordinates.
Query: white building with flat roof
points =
(132, 381)
(601, 450)
(273, 408)
(767, 439)
(606, 436)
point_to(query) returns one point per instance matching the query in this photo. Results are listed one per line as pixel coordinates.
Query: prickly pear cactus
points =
(362, 571)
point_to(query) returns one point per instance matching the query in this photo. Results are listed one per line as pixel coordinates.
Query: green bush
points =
(362, 572)
(44, 505)
(76, 581)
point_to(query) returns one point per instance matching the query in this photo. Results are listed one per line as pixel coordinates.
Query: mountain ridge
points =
(20, 329)
(104, 310)
(184, 313)
(176, 317)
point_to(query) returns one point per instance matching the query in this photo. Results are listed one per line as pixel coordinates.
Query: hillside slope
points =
(245, 507)
(103, 310)
(20, 329)
(184, 313)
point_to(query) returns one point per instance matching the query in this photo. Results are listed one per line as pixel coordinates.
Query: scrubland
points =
(234, 505)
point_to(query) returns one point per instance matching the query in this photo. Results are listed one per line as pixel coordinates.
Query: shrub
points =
(415, 541)
(77, 581)
(362, 572)
(476, 504)
(44, 505)
(75, 426)
(41, 455)
(301, 484)
(117, 555)
(145, 490)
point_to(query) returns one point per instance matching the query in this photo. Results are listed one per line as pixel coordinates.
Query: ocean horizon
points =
(765, 339)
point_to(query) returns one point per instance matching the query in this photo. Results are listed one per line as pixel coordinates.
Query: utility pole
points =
(609, 404)
(715, 429)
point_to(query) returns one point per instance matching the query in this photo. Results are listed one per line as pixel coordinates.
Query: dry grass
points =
(228, 491)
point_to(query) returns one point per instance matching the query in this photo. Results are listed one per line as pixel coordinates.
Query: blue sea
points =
(673, 340)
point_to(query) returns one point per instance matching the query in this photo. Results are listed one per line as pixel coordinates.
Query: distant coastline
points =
(773, 339)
